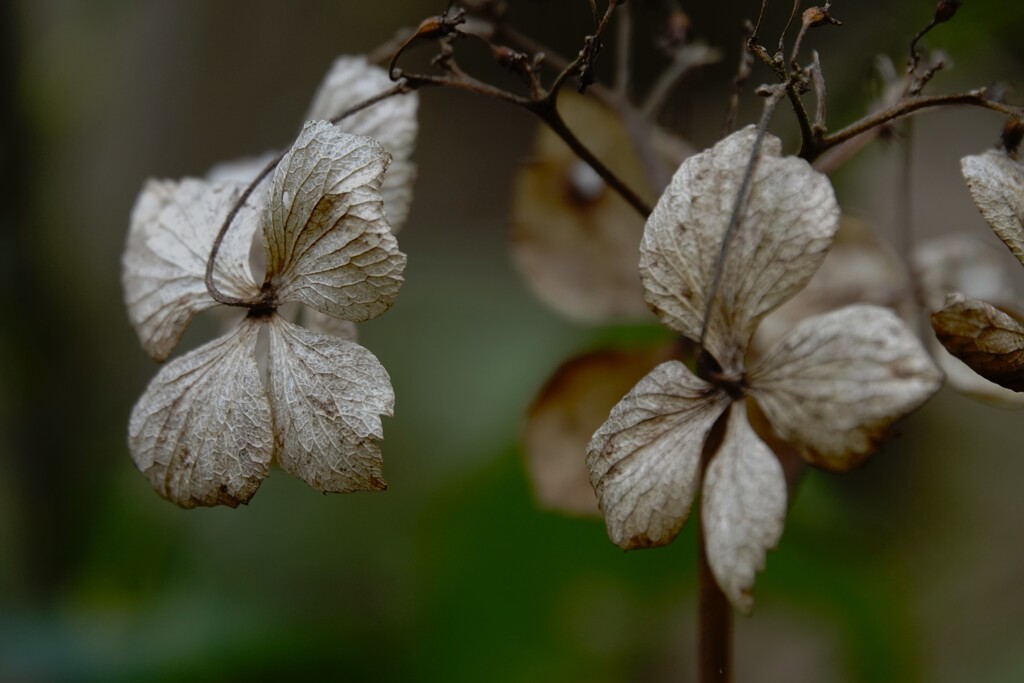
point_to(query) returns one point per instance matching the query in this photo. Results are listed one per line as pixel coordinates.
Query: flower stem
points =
(714, 638)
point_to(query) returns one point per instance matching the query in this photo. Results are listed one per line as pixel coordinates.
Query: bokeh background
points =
(911, 569)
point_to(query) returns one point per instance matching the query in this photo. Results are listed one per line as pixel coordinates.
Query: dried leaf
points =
(988, 340)
(996, 183)
(962, 264)
(566, 413)
(574, 239)
(328, 244)
(352, 80)
(644, 461)
(173, 225)
(327, 396)
(790, 219)
(201, 432)
(837, 382)
(743, 510)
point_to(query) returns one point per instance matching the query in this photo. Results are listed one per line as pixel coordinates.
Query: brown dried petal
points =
(566, 413)
(328, 244)
(743, 508)
(327, 396)
(352, 80)
(837, 382)
(989, 341)
(173, 225)
(790, 219)
(996, 183)
(645, 459)
(201, 431)
(574, 239)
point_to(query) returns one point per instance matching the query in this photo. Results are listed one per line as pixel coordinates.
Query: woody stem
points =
(715, 622)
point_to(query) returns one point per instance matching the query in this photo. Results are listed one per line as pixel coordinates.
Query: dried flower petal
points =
(352, 80)
(837, 382)
(645, 459)
(172, 229)
(790, 219)
(314, 320)
(997, 185)
(988, 340)
(743, 508)
(567, 412)
(201, 432)
(327, 396)
(574, 239)
(328, 244)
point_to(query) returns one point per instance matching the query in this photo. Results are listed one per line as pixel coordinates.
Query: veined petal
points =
(790, 218)
(836, 383)
(996, 183)
(201, 432)
(743, 508)
(645, 459)
(988, 340)
(328, 244)
(173, 225)
(352, 80)
(314, 320)
(327, 396)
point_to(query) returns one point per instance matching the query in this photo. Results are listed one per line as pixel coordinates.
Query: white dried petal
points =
(988, 340)
(242, 171)
(173, 225)
(316, 321)
(328, 244)
(837, 382)
(327, 396)
(645, 459)
(790, 219)
(996, 183)
(201, 432)
(352, 80)
(743, 508)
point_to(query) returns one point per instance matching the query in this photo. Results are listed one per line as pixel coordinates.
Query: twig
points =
(714, 639)
(685, 60)
(623, 53)
(743, 72)
(775, 93)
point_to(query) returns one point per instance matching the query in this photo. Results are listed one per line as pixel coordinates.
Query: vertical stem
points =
(714, 640)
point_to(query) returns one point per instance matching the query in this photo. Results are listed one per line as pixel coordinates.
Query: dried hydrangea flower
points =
(209, 425)
(831, 388)
(989, 340)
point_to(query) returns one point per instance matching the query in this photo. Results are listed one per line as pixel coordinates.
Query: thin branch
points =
(775, 94)
(973, 98)
(685, 60)
(743, 72)
(715, 620)
(623, 53)
(818, 81)
(792, 16)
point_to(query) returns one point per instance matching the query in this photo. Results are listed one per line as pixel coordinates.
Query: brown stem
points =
(975, 98)
(714, 639)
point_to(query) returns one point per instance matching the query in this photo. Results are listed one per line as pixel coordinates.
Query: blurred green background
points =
(911, 569)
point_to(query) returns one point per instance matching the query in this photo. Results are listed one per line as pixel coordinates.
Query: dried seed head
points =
(946, 9)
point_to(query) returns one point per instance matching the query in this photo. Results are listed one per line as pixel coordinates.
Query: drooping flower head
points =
(831, 388)
(210, 423)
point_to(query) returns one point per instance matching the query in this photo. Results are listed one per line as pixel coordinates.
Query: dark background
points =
(907, 570)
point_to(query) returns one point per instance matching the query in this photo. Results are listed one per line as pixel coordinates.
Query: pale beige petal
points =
(838, 381)
(988, 340)
(743, 508)
(327, 396)
(574, 239)
(352, 80)
(201, 432)
(574, 402)
(790, 219)
(328, 244)
(645, 459)
(997, 185)
(173, 225)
